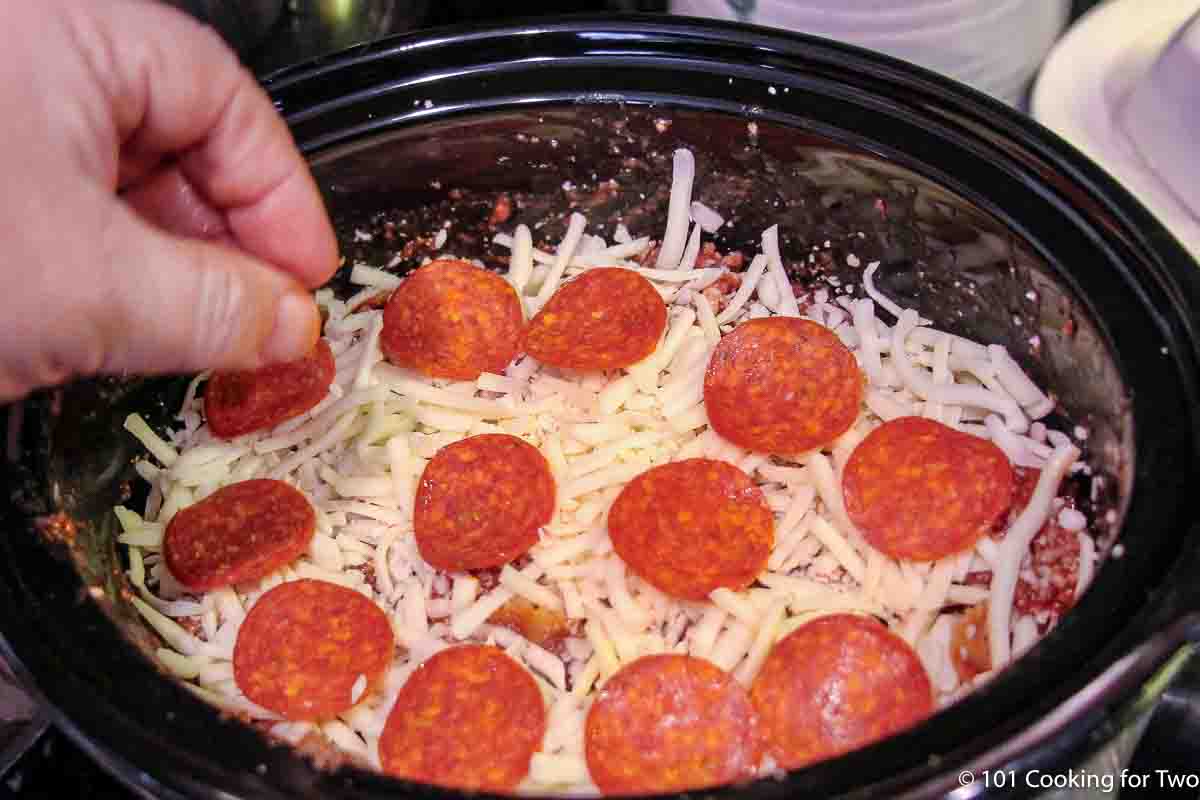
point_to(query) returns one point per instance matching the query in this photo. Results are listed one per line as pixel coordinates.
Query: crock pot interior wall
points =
(970, 194)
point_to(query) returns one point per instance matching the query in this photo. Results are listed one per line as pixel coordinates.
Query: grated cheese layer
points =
(358, 456)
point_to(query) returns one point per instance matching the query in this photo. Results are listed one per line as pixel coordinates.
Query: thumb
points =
(174, 304)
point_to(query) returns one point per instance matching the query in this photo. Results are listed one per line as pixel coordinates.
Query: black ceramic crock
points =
(984, 221)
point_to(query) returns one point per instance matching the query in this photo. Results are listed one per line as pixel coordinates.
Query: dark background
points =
(308, 28)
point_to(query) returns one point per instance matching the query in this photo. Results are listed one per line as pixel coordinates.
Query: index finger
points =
(173, 87)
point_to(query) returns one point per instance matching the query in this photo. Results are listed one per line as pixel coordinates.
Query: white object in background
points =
(1114, 89)
(1163, 110)
(995, 46)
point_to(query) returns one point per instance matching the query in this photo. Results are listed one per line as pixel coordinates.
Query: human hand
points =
(155, 214)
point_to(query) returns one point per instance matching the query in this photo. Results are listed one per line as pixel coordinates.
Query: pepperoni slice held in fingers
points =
(451, 319)
(241, 402)
(305, 644)
(668, 723)
(836, 684)
(241, 532)
(468, 718)
(604, 319)
(481, 501)
(692, 526)
(782, 385)
(921, 490)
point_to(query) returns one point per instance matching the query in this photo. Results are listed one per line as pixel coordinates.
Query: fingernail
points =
(297, 325)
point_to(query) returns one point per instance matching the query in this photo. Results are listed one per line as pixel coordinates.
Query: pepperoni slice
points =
(692, 526)
(604, 319)
(836, 684)
(669, 723)
(451, 319)
(921, 490)
(469, 718)
(782, 385)
(481, 502)
(241, 532)
(237, 403)
(305, 644)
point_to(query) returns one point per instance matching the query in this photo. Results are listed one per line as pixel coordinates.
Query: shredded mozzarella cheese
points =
(359, 455)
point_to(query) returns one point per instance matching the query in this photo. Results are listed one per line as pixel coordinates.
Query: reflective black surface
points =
(55, 767)
(972, 193)
(1171, 739)
(311, 28)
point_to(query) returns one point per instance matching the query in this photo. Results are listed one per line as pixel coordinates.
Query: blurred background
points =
(996, 45)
